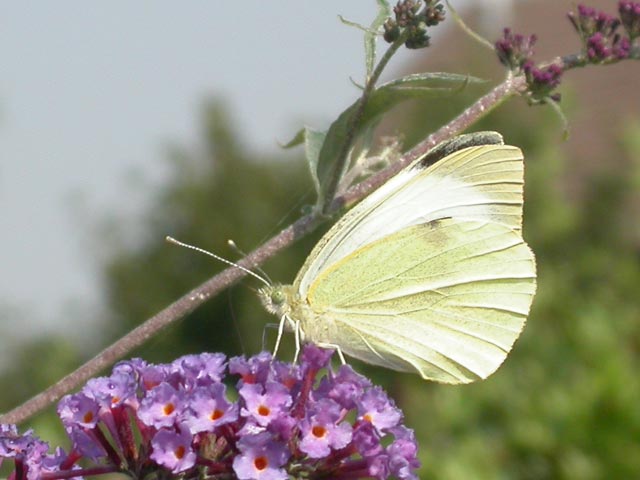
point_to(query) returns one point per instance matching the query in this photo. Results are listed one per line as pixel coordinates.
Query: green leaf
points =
(370, 36)
(381, 100)
(416, 86)
(335, 141)
(313, 141)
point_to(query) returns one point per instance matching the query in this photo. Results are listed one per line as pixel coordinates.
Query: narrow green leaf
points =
(433, 79)
(370, 37)
(313, 141)
(563, 119)
(298, 139)
(353, 24)
(418, 86)
(336, 138)
(465, 28)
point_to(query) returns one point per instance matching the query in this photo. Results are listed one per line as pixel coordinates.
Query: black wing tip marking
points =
(460, 142)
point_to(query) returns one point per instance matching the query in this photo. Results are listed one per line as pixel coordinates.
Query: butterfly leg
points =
(296, 330)
(334, 347)
(283, 319)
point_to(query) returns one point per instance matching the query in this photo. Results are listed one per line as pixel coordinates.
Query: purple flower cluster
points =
(514, 49)
(601, 42)
(630, 18)
(30, 455)
(541, 81)
(176, 421)
(599, 31)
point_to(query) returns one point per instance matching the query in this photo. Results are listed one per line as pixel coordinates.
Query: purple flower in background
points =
(588, 21)
(515, 51)
(176, 421)
(599, 31)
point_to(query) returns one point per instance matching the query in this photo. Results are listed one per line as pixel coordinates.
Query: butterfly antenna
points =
(219, 258)
(234, 246)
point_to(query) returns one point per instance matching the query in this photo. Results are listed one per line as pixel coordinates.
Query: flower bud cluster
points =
(599, 31)
(630, 18)
(410, 18)
(179, 420)
(515, 51)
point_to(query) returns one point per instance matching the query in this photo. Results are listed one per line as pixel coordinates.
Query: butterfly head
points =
(277, 299)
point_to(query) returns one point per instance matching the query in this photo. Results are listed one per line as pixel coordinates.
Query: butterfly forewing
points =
(478, 183)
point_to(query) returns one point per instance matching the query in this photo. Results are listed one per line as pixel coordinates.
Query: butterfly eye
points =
(277, 297)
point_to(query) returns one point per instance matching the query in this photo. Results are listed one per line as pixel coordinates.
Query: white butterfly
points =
(428, 274)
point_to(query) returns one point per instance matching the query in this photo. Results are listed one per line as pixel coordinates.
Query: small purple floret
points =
(172, 449)
(261, 458)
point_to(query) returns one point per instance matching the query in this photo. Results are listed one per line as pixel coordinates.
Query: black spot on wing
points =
(433, 224)
(448, 147)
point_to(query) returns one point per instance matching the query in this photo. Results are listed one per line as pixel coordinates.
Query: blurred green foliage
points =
(565, 403)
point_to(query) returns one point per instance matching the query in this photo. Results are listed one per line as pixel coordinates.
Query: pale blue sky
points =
(91, 91)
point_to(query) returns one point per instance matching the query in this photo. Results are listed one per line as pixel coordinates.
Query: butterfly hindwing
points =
(447, 299)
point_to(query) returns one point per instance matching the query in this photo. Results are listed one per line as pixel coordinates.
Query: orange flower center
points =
(367, 417)
(179, 452)
(169, 408)
(260, 463)
(319, 431)
(88, 417)
(263, 410)
(216, 414)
